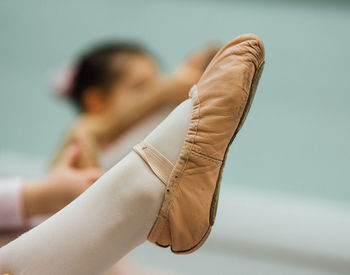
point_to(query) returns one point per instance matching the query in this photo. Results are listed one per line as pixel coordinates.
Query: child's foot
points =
(220, 103)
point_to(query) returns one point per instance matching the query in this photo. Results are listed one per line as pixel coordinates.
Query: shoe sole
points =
(214, 203)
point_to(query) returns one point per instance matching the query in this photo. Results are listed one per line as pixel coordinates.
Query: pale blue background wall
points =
(297, 136)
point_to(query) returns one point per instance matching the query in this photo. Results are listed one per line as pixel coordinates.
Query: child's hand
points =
(62, 185)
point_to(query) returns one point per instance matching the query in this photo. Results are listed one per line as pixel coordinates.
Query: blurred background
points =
(285, 205)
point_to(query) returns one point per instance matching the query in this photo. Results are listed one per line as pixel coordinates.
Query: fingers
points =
(69, 156)
(87, 156)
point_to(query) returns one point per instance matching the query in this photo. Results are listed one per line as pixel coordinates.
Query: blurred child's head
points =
(109, 75)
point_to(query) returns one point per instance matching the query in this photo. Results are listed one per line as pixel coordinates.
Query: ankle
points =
(150, 189)
(142, 193)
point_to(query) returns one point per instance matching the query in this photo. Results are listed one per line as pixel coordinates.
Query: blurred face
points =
(139, 79)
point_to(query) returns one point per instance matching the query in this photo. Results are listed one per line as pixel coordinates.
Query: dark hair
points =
(94, 68)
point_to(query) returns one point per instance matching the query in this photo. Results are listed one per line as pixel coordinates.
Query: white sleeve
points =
(11, 204)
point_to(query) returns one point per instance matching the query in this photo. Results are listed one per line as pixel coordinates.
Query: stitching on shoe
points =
(203, 153)
(216, 161)
(188, 150)
(173, 179)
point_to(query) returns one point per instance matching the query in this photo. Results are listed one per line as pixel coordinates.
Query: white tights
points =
(107, 221)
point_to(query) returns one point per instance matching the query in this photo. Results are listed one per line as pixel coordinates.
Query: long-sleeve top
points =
(11, 204)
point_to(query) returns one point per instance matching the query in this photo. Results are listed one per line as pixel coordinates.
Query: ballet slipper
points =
(221, 101)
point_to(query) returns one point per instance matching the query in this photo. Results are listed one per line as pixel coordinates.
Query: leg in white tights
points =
(107, 221)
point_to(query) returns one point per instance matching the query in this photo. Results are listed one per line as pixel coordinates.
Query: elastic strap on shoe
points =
(159, 164)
